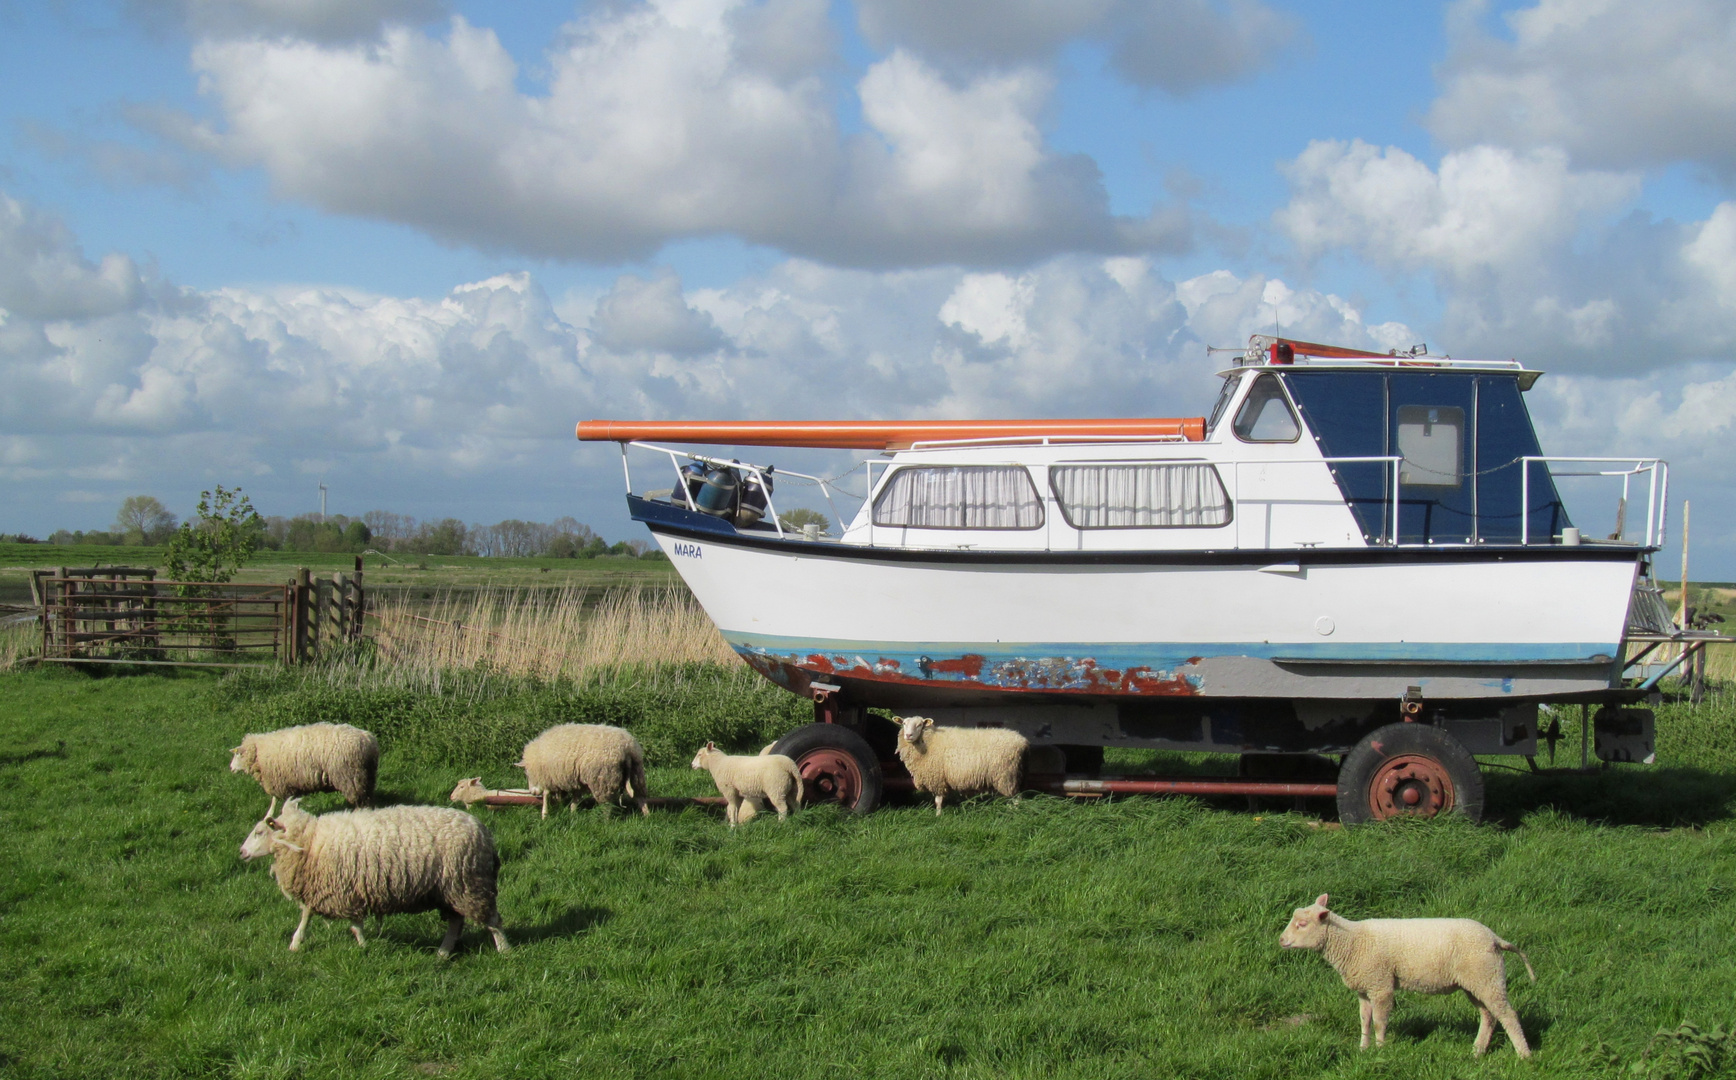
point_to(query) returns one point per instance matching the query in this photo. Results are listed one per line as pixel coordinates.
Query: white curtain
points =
(960, 497)
(1140, 496)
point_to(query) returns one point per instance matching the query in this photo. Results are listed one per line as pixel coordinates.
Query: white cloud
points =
(318, 20)
(1176, 45)
(653, 315)
(444, 405)
(1615, 83)
(1485, 209)
(663, 120)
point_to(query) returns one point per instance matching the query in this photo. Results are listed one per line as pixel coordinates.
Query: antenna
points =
(322, 491)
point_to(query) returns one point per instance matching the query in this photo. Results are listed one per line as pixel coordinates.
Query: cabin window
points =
(1142, 496)
(1265, 415)
(959, 497)
(1429, 438)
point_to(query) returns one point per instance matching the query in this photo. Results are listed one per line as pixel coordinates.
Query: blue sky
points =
(401, 245)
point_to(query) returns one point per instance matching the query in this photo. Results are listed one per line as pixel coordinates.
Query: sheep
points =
(1434, 956)
(470, 791)
(397, 859)
(960, 761)
(297, 761)
(570, 758)
(745, 781)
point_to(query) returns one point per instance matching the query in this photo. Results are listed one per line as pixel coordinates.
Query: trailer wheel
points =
(1414, 770)
(837, 765)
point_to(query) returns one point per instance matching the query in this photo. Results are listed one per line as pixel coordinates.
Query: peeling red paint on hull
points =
(1046, 675)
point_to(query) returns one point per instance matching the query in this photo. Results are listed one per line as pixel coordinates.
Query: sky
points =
(400, 247)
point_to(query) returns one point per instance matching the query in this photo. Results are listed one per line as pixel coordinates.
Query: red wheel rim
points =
(830, 775)
(1411, 785)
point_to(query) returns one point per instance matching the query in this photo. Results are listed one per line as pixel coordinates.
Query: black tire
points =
(1408, 769)
(837, 765)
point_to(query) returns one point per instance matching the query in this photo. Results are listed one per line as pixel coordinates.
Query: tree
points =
(144, 520)
(793, 520)
(220, 542)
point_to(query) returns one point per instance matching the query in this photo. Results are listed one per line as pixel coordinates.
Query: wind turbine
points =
(322, 491)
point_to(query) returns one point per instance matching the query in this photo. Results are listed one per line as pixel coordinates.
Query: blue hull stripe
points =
(1170, 654)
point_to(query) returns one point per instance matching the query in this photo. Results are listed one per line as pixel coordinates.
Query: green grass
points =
(1134, 938)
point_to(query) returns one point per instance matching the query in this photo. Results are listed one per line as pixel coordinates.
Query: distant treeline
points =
(143, 522)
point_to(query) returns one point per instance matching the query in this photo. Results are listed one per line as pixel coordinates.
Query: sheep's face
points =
(238, 758)
(913, 728)
(469, 790)
(258, 841)
(703, 759)
(1307, 929)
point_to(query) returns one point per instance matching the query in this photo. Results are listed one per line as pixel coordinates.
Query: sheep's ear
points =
(928, 722)
(273, 823)
(235, 750)
(1322, 901)
(710, 745)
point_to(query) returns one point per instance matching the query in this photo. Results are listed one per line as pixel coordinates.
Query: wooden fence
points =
(120, 615)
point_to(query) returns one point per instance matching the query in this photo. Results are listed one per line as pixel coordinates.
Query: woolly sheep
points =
(570, 758)
(297, 761)
(960, 761)
(470, 791)
(398, 859)
(745, 781)
(1433, 956)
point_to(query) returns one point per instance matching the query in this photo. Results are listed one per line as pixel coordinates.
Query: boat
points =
(1349, 541)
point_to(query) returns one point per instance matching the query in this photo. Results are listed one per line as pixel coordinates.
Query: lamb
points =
(745, 781)
(960, 761)
(297, 761)
(570, 758)
(1434, 956)
(397, 859)
(470, 791)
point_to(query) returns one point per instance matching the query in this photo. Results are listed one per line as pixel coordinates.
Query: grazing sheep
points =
(297, 761)
(960, 761)
(570, 758)
(1434, 956)
(745, 781)
(398, 859)
(470, 791)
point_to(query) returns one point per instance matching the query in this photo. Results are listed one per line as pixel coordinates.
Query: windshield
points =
(1224, 396)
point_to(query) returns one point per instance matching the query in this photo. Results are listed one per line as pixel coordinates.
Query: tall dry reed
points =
(547, 636)
(19, 638)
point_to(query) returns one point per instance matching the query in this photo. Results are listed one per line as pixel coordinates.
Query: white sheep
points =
(570, 758)
(1374, 957)
(398, 859)
(297, 761)
(470, 790)
(745, 781)
(960, 761)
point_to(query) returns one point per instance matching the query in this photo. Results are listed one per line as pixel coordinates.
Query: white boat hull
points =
(899, 628)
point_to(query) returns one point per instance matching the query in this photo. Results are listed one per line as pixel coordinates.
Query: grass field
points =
(1134, 938)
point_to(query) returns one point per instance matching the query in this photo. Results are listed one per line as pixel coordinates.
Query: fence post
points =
(304, 630)
(359, 603)
(340, 612)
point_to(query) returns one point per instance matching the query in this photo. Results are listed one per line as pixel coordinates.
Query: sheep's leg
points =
(454, 927)
(1510, 1024)
(498, 931)
(545, 796)
(356, 929)
(938, 799)
(1365, 1010)
(301, 928)
(1485, 1026)
(1382, 1003)
(783, 805)
(732, 811)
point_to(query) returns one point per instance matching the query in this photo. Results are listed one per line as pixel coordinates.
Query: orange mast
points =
(885, 434)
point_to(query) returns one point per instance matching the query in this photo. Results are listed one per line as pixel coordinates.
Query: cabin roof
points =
(1281, 354)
